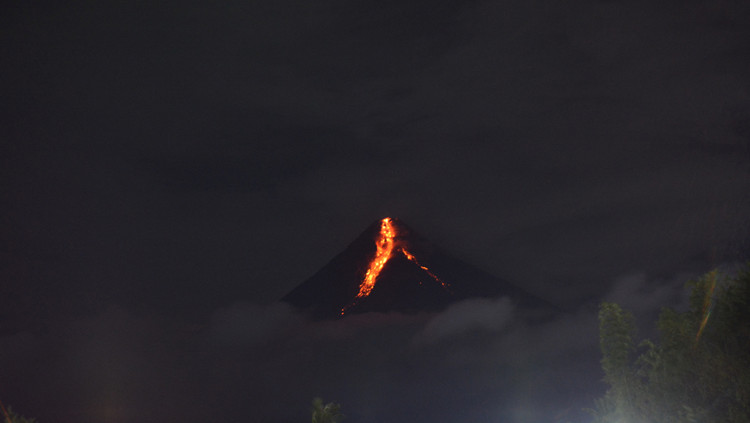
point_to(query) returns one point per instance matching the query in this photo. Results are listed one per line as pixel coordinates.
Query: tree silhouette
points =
(8, 416)
(328, 413)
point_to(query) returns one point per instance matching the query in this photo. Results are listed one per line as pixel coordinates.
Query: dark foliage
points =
(698, 371)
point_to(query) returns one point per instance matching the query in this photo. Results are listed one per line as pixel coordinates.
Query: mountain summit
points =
(389, 267)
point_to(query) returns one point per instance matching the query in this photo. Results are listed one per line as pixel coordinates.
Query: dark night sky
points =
(191, 162)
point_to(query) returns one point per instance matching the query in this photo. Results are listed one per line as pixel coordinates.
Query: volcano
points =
(389, 267)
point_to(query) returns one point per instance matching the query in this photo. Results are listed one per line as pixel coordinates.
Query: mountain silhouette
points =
(414, 275)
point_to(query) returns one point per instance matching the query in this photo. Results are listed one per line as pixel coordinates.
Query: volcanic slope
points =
(389, 267)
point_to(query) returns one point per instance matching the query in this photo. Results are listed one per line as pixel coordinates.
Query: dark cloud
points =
(489, 315)
(250, 324)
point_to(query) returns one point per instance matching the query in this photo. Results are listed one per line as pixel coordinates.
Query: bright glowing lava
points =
(385, 245)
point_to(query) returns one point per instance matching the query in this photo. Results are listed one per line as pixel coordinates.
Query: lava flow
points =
(384, 251)
(385, 245)
(432, 275)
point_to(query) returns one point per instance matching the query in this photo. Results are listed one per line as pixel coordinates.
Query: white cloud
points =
(481, 314)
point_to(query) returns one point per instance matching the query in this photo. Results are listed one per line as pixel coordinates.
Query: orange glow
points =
(432, 275)
(385, 245)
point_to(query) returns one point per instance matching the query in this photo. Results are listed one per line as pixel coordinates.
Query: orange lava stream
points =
(432, 275)
(384, 246)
